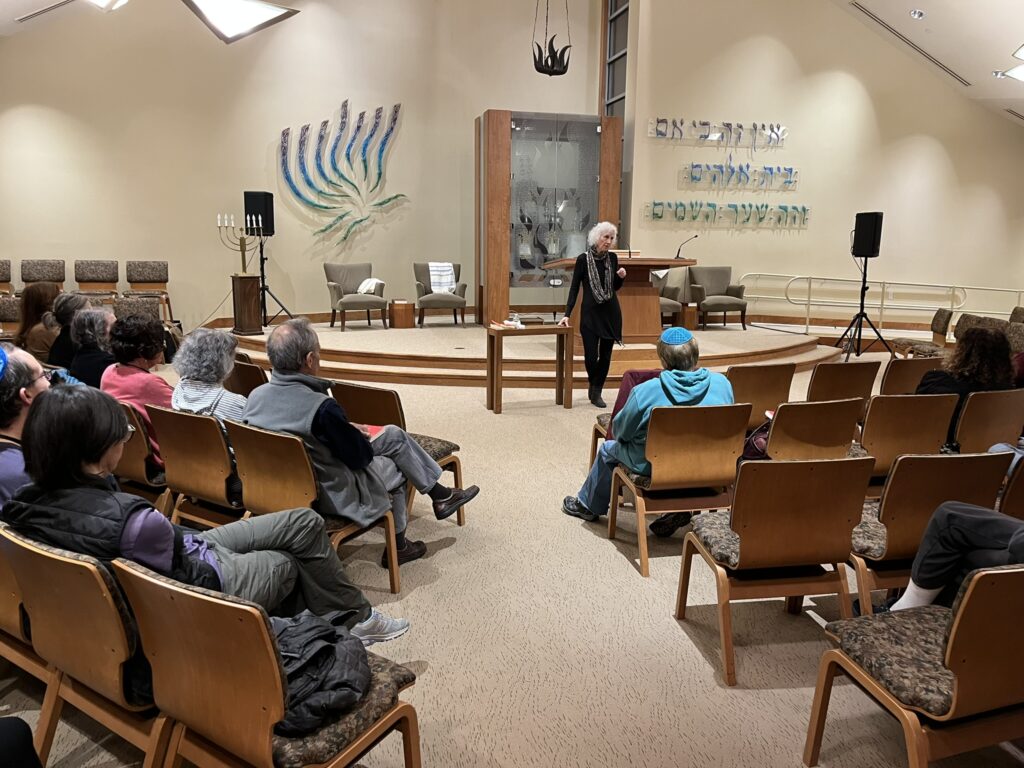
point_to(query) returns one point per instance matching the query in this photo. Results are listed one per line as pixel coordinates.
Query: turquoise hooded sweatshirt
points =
(699, 387)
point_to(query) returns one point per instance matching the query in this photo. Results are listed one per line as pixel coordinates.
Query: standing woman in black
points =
(600, 275)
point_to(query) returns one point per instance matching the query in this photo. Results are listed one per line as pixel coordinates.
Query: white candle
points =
(218, 221)
(260, 217)
(232, 219)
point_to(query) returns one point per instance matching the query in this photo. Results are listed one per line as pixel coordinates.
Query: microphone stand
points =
(680, 248)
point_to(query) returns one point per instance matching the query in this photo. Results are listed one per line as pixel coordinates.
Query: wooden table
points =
(401, 314)
(563, 361)
(638, 298)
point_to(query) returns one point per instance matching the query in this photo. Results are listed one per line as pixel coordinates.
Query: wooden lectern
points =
(245, 290)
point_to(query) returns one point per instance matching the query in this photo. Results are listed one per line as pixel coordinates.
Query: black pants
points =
(16, 744)
(961, 537)
(597, 356)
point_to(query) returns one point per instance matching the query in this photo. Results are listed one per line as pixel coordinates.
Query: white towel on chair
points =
(442, 276)
(369, 285)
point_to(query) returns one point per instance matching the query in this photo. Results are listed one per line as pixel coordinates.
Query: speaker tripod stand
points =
(853, 335)
(265, 291)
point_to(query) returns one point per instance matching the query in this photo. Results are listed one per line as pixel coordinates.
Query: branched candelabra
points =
(241, 239)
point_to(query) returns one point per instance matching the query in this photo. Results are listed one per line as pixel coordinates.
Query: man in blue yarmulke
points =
(682, 382)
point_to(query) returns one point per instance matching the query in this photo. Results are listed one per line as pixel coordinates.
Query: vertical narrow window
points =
(614, 74)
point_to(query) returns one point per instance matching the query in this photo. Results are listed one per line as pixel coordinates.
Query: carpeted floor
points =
(538, 644)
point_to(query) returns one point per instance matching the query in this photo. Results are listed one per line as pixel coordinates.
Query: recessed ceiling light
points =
(1019, 53)
(998, 74)
(231, 20)
(108, 5)
(1017, 73)
(917, 14)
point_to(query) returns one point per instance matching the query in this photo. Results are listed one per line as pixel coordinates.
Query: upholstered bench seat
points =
(435, 447)
(713, 531)
(904, 651)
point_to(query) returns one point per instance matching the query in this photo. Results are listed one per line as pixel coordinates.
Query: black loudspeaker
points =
(260, 206)
(867, 235)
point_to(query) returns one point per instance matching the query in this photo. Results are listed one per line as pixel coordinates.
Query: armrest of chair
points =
(378, 289)
(421, 290)
(697, 293)
(673, 292)
(460, 290)
(736, 291)
(336, 291)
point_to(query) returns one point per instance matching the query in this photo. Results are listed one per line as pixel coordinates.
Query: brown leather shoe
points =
(460, 496)
(414, 550)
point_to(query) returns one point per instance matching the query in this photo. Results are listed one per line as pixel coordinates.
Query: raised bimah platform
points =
(638, 298)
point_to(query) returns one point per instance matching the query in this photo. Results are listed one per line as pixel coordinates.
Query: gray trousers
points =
(398, 458)
(265, 558)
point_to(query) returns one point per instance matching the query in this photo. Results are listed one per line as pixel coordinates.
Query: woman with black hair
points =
(73, 439)
(65, 307)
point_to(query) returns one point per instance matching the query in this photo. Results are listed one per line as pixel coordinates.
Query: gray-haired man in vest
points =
(361, 476)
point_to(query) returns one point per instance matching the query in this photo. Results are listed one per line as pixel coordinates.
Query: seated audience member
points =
(959, 538)
(980, 362)
(361, 476)
(73, 439)
(16, 744)
(90, 331)
(204, 361)
(38, 329)
(682, 382)
(138, 346)
(65, 307)
(22, 379)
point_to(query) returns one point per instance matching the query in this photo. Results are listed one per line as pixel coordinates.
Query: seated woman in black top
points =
(90, 330)
(980, 362)
(65, 307)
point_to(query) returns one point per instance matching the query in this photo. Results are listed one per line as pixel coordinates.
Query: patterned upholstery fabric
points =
(640, 481)
(1016, 316)
(146, 271)
(91, 271)
(940, 321)
(435, 446)
(5, 270)
(1015, 335)
(319, 747)
(604, 419)
(10, 309)
(978, 321)
(856, 451)
(904, 652)
(916, 347)
(137, 305)
(714, 532)
(35, 270)
(869, 535)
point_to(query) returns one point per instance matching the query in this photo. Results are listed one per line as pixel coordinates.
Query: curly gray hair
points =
(206, 355)
(598, 230)
(92, 326)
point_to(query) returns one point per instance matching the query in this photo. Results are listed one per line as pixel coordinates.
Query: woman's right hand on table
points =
(564, 322)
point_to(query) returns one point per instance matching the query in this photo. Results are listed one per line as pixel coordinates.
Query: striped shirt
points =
(207, 400)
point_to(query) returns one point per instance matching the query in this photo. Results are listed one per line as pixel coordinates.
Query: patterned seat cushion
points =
(603, 420)
(146, 307)
(904, 652)
(435, 447)
(712, 529)
(869, 535)
(916, 347)
(640, 481)
(319, 747)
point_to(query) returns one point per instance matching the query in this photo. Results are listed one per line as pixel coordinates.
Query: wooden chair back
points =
(763, 386)
(10, 603)
(899, 424)
(819, 430)
(695, 446)
(988, 418)
(242, 357)
(369, 405)
(76, 613)
(903, 374)
(216, 667)
(274, 468)
(984, 642)
(195, 453)
(244, 378)
(138, 453)
(798, 513)
(839, 381)
(917, 486)
(1012, 503)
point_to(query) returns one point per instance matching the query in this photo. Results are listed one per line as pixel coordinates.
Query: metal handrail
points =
(957, 294)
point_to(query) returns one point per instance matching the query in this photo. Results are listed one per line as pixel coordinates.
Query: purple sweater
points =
(148, 539)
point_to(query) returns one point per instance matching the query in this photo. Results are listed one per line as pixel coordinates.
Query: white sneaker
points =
(380, 628)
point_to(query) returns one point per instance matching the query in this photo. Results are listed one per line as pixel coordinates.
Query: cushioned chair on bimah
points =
(427, 299)
(198, 467)
(712, 291)
(837, 381)
(672, 296)
(244, 378)
(15, 644)
(218, 673)
(380, 407)
(889, 534)
(822, 430)
(909, 347)
(276, 474)
(1017, 315)
(137, 471)
(148, 279)
(763, 386)
(84, 631)
(5, 277)
(693, 452)
(343, 281)
(989, 418)
(951, 676)
(1015, 335)
(1012, 501)
(43, 271)
(10, 315)
(787, 519)
(97, 278)
(902, 375)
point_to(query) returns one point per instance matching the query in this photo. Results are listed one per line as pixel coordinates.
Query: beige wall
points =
(872, 127)
(122, 135)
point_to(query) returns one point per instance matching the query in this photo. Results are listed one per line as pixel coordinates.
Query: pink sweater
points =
(139, 388)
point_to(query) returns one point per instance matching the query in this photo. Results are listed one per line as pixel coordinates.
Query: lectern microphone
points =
(680, 248)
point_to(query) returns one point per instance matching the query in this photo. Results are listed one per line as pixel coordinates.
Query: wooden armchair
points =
(244, 378)
(989, 418)
(217, 672)
(763, 386)
(343, 282)
(84, 631)
(820, 430)
(787, 519)
(903, 374)
(951, 677)
(910, 347)
(427, 299)
(693, 452)
(888, 536)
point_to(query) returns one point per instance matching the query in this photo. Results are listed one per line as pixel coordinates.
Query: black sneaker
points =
(572, 506)
(414, 550)
(668, 524)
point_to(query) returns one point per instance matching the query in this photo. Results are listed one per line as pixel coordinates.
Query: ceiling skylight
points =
(232, 20)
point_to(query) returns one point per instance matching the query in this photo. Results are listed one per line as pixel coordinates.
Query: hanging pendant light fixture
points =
(547, 59)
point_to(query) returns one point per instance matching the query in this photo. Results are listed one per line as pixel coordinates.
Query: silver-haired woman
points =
(600, 275)
(204, 360)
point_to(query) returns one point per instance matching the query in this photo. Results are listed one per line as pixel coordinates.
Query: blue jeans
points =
(596, 492)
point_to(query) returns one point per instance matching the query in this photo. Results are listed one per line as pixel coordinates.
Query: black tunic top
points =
(602, 320)
(63, 350)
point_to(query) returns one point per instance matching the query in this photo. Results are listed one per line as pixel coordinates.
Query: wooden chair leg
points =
(176, 509)
(595, 435)
(392, 550)
(342, 318)
(163, 503)
(641, 533)
(456, 466)
(174, 760)
(462, 313)
(743, 318)
(421, 317)
(49, 715)
(384, 316)
(368, 321)
(864, 584)
(794, 605)
(725, 627)
(410, 729)
(723, 318)
(917, 741)
(159, 737)
(613, 504)
(455, 315)
(819, 709)
(689, 550)
(334, 314)
(845, 603)
(410, 498)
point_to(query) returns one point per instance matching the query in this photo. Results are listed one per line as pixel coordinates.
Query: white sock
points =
(915, 597)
